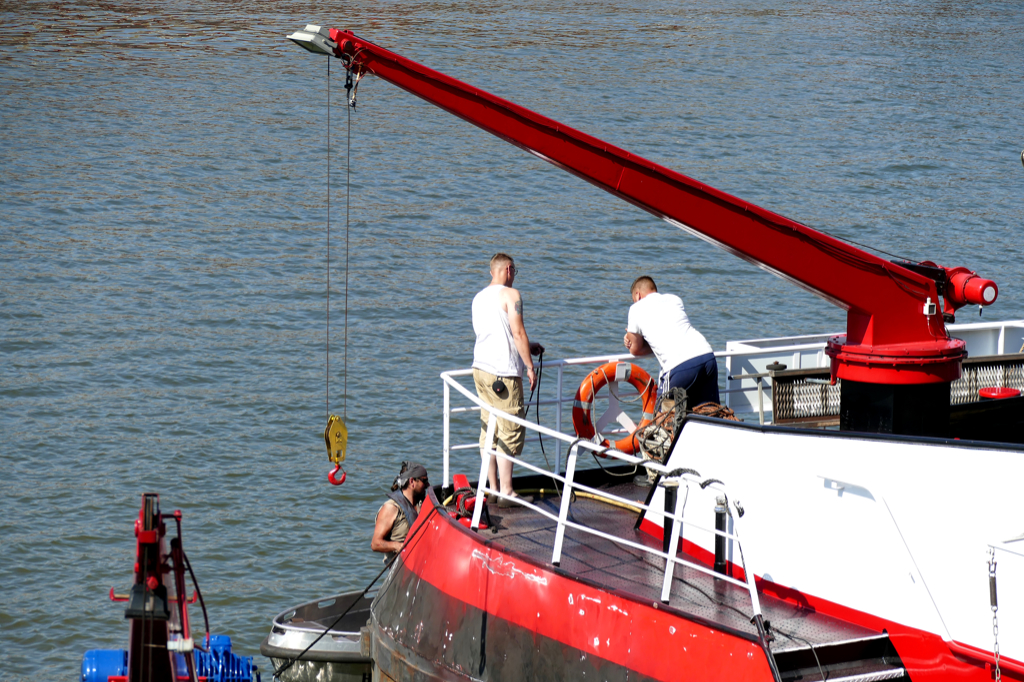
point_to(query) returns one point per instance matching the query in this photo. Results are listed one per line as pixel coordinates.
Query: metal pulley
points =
(336, 438)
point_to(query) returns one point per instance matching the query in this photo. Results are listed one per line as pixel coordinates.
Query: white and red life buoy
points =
(582, 405)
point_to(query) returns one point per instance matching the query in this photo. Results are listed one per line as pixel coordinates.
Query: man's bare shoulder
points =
(509, 297)
(385, 518)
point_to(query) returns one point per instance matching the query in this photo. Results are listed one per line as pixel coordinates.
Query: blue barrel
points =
(99, 664)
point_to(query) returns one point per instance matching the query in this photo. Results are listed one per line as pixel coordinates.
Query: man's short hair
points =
(642, 283)
(500, 260)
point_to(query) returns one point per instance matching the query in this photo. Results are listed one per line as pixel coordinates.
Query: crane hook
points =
(336, 438)
(332, 479)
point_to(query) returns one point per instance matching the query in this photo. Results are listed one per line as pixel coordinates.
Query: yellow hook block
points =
(336, 437)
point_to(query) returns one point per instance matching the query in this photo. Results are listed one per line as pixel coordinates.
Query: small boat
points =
(322, 639)
(161, 646)
(862, 527)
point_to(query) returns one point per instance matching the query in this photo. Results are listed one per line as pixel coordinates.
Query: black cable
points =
(199, 593)
(387, 566)
(810, 646)
(636, 467)
(536, 386)
(536, 413)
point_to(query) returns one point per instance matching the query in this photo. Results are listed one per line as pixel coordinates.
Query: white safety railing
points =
(745, 360)
(559, 365)
(561, 398)
(570, 485)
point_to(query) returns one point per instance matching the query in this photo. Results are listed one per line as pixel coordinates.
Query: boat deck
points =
(627, 570)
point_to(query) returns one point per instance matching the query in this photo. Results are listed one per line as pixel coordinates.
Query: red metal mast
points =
(896, 332)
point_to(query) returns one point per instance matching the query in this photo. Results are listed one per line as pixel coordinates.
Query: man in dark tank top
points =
(399, 511)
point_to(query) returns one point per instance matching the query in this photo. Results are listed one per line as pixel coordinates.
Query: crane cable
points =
(349, 105)
(327, 368)
(336, 433)
(348, 196)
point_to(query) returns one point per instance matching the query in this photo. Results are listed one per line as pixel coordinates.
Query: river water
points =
(163, 214)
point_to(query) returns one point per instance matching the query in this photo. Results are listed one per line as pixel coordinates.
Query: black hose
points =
(199, 593)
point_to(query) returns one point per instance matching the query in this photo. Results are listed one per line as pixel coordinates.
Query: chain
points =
(995, 607)
(352, 85)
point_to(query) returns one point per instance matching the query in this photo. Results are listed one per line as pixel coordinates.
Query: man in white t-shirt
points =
(658, 324)
(501, 353)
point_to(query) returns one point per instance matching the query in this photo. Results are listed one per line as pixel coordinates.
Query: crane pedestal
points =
(902, 409)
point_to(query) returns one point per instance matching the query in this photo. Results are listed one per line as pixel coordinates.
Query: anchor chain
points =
(995, 608)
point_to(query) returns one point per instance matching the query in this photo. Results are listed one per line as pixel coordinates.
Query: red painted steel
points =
(892, 337)
(997, 393)
(148, 657)
(331, 476)
(640, 636)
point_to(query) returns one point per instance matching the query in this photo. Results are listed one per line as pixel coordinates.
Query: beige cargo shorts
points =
(509, 437)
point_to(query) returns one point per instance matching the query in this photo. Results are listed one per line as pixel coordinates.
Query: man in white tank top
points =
(501, 353)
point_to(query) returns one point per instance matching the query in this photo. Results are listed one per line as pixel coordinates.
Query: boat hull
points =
(456, 606)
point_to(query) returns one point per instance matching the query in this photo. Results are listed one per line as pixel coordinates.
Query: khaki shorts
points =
(509, 437)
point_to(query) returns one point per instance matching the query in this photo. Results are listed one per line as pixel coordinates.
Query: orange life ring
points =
(584, 401)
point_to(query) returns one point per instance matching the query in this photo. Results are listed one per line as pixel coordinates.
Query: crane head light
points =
(316, 39)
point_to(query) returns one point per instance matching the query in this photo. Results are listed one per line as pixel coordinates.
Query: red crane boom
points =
(896, 333)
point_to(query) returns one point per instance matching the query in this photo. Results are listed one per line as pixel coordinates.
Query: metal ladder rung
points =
(877, 676)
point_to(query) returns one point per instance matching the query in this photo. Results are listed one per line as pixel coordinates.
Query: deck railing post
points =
(558, 421)
(485, 461)
(446, 481)
(755, 603)
(748, 572)
(728, 381)
(670, 561)
(760, 400)
(563, 512)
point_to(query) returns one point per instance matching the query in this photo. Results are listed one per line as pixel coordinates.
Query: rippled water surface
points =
(163, 243)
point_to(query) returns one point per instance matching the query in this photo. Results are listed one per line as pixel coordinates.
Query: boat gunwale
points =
(370, 595)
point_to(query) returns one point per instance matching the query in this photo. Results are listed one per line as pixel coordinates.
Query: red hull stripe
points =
(641, 637)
